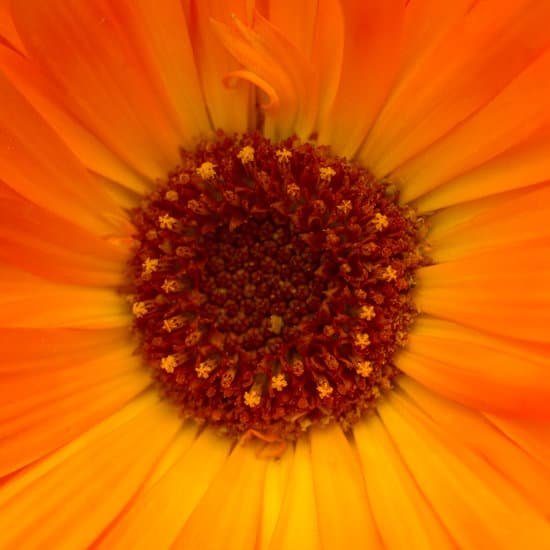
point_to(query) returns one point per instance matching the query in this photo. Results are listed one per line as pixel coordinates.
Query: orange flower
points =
(446, 103)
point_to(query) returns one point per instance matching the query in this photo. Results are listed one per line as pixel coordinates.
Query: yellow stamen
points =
(364, 368)
(345, 207)
(380, 221)
(168, 363)
(173, 323)
(252, 398)
(139, 309)
(324, 389)
(150, 265)
(170, 285)
(206, 171)
(389, 274)
(283, 154)
(362, 340)
(246, 154)
(205, 368)
(367, 312)
(278, 382)
(167, 222)
(326, 173)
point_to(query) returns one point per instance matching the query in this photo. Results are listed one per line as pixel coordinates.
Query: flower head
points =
(276, 267)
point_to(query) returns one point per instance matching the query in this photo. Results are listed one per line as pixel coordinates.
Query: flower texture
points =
(275, 274)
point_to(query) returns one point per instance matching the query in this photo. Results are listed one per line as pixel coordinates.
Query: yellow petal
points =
(232, 503)
(229, 107)
(276, 484)
(159, 513)
(393, 493)
(345, 518)
(297, 526)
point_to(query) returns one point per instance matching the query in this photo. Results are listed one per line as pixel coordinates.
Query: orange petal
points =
(33, 303)
(316, 29)
(24, 390)
(327, 56)
(7, 28)
(38, 166)
(47, 98)
(344, 515)
(163, 41)
(509, 219)
(512, 117)
(533, 437)
(70, 497)
(42, 410)
(504, 291)
(142, 526)
(421, 36)
(232, 501)
(297, 526)
(450, 81)
(393, 493)
(35, 240)
(296, 20)
(372, 31)
(477, 369)
(518, 167)
(474, 431)
(27, 349)
(229, 108)
(479, 508)
(269, 57)
(123, 108)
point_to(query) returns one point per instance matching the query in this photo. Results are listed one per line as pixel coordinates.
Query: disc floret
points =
(271, 285)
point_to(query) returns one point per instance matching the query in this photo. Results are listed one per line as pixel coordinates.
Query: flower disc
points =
(271, 285)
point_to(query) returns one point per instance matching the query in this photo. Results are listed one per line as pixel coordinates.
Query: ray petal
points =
(344, 513)
(71, 496)
(394, 493)
(177, 493)
(477, 369)
(480, 508)
(234, 499)
(472, 429)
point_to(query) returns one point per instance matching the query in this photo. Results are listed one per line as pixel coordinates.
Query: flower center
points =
(271, 285)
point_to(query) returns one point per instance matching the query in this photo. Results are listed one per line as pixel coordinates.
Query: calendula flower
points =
(275, 274)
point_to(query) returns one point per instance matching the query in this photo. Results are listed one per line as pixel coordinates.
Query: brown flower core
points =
(271, 285)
